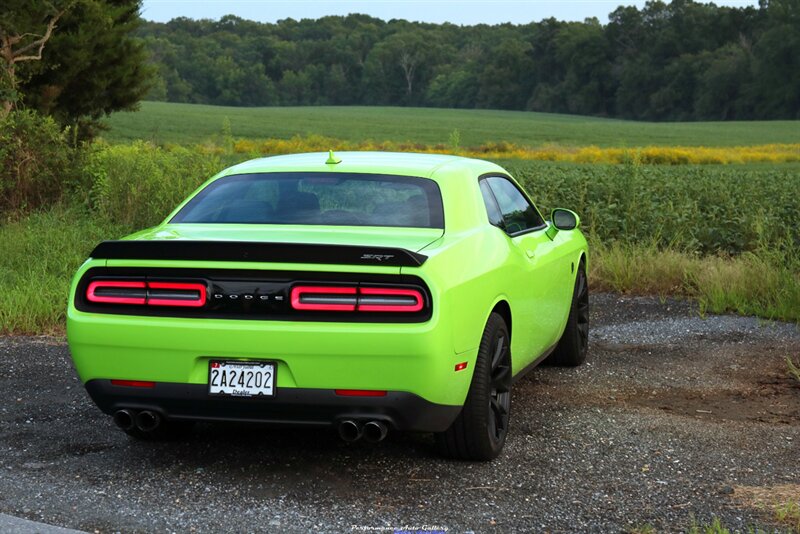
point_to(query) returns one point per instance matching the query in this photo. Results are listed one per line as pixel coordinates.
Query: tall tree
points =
(94, 65)
(26, 26)
(777, 51)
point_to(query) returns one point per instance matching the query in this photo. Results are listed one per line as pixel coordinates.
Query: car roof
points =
(435, 166)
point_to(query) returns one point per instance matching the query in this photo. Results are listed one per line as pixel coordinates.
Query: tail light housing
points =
(388, 299)
(117, 292)
(357, 299)
(249, 294)
(190, 295)
(324, 298)
(147, 293)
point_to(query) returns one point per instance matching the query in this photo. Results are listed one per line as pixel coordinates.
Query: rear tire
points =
(574, 343)
(480, 430)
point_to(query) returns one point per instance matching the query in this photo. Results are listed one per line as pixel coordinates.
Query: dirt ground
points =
(675, 420)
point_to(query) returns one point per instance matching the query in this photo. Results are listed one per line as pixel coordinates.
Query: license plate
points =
(241, 379)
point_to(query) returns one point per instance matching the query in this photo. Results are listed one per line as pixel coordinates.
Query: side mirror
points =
(565, 219)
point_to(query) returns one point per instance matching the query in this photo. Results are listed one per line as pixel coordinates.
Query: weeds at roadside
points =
(40, 255)
(647, 528)
(779, 503)
(789, 514)
(748, 284)
(794, 371)
(716, 527)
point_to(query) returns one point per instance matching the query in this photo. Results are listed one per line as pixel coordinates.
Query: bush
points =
(36, 161)
(138, 185)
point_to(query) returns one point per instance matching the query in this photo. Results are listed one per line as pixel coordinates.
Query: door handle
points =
(530, 253)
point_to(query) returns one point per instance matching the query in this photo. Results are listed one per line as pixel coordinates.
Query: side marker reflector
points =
(461, 366)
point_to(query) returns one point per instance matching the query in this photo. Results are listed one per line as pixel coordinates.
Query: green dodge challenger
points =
(364, 291)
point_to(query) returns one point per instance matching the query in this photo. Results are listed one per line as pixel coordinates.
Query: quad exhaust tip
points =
(147, 421)
(371, 431)
(375, 431)
(125, 419)
(349, 431)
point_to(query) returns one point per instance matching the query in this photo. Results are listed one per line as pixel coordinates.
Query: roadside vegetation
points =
(721, 234)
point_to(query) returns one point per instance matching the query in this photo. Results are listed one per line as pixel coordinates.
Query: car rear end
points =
(239, 327)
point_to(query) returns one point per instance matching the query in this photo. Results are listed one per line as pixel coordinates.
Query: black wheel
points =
(166, 431)
(480, 430)
(574, 343)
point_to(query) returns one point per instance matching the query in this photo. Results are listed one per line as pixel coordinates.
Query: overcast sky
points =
(455, 11)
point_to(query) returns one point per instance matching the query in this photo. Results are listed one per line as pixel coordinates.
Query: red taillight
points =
(117, 292)
(361, 299)
(385, 299)
(176, 294)
(142, 293)
(133, 383)
(360, 393)
(324, 298)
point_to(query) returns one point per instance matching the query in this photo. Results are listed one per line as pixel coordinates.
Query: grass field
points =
(163, 122)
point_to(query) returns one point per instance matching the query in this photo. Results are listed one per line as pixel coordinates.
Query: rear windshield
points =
(317, 198)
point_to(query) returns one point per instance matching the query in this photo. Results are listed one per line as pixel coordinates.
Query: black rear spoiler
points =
(255, 251)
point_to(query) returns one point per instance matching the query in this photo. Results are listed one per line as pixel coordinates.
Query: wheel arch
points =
(503, 309)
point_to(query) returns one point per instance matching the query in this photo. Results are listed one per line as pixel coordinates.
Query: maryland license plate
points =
(241, 379)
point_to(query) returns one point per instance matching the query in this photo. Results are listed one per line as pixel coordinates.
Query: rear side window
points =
(518, 214)
(492, 209)
(317, 199)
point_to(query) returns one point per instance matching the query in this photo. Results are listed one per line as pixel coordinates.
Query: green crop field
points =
(192, 123)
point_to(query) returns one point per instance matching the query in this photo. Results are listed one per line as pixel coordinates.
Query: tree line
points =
(666, 61)
(78, 60)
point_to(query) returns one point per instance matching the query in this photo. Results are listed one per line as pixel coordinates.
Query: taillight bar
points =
(385, 299)
(324, 298)
(117, 292)
(185, 294)
(360, 299)
(192, 295)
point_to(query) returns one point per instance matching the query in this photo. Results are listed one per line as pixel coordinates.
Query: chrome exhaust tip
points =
(147, 421)
(124, 419)
(375, 431)
(349, 431)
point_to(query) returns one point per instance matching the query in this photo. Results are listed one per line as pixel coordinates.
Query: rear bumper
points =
(416, 358)
(292, 406)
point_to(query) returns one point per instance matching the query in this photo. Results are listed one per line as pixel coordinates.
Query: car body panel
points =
(470, 266)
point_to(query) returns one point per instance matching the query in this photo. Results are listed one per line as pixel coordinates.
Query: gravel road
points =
(674, 419)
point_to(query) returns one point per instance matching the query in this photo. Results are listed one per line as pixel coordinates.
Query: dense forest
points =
(678, 61)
